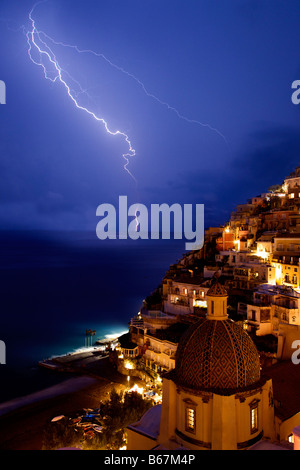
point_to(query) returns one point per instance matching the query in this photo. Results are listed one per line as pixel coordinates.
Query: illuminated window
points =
(292, 195)
(190, 419)
(254, 416)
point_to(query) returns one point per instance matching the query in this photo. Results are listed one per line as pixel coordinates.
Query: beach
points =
(23, 420)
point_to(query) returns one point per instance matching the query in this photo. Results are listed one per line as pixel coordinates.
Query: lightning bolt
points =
(138, 81)
(38, 43)
(53, 72)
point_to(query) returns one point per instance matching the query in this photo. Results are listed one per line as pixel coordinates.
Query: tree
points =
(119, 412)
(61, 434)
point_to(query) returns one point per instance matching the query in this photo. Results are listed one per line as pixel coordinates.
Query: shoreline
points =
(67, 386)
(23, 419)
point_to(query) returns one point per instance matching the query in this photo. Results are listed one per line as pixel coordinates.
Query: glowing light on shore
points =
(137, 389)
(113, 336)
(128, 365)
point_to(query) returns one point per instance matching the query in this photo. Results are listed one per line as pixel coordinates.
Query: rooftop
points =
(288, 235)
(173, 333)
(267, 236)
(286, 386)
(264, 444)
(268, 289)
(126, 342)
(149, 424)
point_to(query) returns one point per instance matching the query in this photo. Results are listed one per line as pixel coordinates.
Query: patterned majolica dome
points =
(216, 355)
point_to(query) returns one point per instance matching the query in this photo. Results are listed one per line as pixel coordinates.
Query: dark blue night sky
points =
(228, 64)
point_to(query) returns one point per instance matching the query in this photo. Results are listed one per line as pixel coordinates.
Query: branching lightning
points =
(137, 80)
(41, 54)
(53, 72)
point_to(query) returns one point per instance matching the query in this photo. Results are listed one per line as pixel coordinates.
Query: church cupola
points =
(217, 302)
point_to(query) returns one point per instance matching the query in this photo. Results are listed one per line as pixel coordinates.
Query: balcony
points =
(170, 353)
(158, 314)
(280, 260)
(242, 277)
(262, 302)
(179, 300)
(285, 306)
(155, 350)
(138, 323)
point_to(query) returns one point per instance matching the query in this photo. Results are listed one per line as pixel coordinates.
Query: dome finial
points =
(217, 289)
(217, 302)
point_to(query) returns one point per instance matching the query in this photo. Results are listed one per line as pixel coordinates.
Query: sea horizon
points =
(56, 285)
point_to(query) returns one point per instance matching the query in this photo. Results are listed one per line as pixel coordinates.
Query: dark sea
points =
(54, 286)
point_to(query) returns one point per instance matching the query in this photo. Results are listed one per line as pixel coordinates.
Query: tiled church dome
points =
(216, 355)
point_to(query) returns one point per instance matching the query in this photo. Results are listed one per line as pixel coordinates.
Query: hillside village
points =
(255, 256)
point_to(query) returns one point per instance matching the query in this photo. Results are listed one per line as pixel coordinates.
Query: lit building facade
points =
(285, 259)
(275, 310)
(184, 296)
